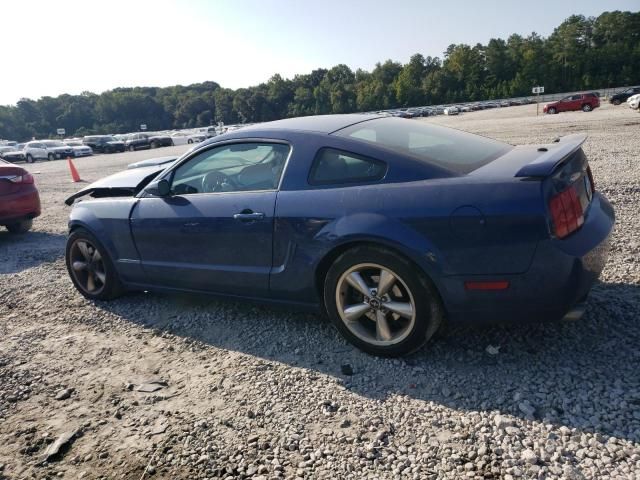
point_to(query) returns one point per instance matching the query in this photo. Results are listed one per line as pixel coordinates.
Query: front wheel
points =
(20, 227)
(587, 108)
(51, 156)
(617, 101)
(132, 148)
(90, 267)
(29, 158)
(551, 111)
(380, 302)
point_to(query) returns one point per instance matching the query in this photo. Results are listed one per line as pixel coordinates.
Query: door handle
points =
(247, 216)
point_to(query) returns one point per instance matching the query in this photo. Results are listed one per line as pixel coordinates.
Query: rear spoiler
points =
(553, 157)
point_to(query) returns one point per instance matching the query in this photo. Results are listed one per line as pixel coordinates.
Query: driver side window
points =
(237, 167)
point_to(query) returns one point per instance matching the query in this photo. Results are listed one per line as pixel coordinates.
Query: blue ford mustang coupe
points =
(388, 225)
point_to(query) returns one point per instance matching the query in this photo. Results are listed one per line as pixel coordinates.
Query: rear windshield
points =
(454, 150)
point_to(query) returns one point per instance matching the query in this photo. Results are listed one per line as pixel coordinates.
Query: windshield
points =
(454, 150)
(53, 143)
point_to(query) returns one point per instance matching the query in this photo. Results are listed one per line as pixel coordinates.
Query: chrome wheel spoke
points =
(79, 266)
(96, 256)
(91, 284)
(101, 276)
(354, 312)
(383, 332)
(401, 308)
(386, 281)
(84, 250)
(357, 282)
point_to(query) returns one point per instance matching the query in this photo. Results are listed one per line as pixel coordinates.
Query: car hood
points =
(126, 183)
(153, 161)
(59, 149)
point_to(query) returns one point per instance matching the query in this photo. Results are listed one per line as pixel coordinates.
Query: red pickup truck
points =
(580, 101)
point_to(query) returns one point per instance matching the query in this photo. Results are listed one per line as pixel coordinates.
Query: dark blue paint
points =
(487, 225)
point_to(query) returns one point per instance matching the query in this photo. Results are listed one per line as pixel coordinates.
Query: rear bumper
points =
(19, 206)
(561, 275)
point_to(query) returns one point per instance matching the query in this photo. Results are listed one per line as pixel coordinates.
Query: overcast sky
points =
(67, 46)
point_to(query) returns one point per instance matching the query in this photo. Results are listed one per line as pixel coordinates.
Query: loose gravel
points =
(176, 386)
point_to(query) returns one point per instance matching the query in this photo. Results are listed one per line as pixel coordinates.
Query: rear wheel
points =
(90, 267)
(587, 108)
(20, 227)
(551, 111)
(29, 158)
(154, 145)
(380, 302)
(617, 101)
(189, 141)
(51, 156)
(132, 148)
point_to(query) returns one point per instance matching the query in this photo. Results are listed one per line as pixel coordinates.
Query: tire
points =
(51, 156)
(104, 278)
(153, 145)
(189, 141)
(411, 292)
(108, 150)
(29, 158)
(132, 148)
(586, 107)
(552, 111)
(617, 101)
(20, 227)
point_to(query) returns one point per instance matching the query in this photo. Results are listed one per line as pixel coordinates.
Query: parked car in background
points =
(623, 96)
(79, 149)
(451, 110)
(40, 150)
(140, 141)
(396, 224)
(19, 198)
(208, 132)
(5, 149)
(182, 138)
(16, 155)
(103, 143)
(579, 101)
(634, 101)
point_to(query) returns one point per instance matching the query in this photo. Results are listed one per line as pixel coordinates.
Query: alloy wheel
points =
(88, 266)
(375, 304)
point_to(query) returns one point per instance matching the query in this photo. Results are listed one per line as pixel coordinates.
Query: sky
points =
(71, 46)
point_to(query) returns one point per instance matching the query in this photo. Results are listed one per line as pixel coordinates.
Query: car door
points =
(38, 150)
(214, 231)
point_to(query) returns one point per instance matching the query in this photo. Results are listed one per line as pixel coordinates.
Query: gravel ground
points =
(172, 386)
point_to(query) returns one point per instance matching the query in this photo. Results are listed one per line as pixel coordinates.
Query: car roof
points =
(318, 123)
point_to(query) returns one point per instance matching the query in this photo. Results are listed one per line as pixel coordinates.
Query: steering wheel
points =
(216, 181)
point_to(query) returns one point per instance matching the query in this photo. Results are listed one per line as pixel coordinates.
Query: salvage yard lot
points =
(246, 391)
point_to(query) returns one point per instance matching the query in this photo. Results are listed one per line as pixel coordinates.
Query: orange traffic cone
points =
(74, 173)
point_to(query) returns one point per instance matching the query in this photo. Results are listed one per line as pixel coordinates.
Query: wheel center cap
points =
(375, 303)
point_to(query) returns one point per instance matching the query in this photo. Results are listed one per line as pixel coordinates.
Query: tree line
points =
(581, 53)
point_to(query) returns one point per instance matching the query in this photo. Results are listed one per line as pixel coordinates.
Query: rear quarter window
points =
(336, 167)
(454, 150)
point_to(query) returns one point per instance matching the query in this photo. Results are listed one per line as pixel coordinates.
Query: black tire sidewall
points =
(20, 227)
(113, 287)
(427, 302)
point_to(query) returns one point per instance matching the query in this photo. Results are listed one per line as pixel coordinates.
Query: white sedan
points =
(634, 101)
(182, 138)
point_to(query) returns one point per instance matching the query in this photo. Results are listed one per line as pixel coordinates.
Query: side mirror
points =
(160, 188)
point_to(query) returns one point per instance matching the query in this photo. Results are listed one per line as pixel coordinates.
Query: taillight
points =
(26, 178)
(566, 212)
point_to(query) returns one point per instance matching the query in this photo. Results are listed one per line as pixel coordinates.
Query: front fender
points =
(108, 220)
